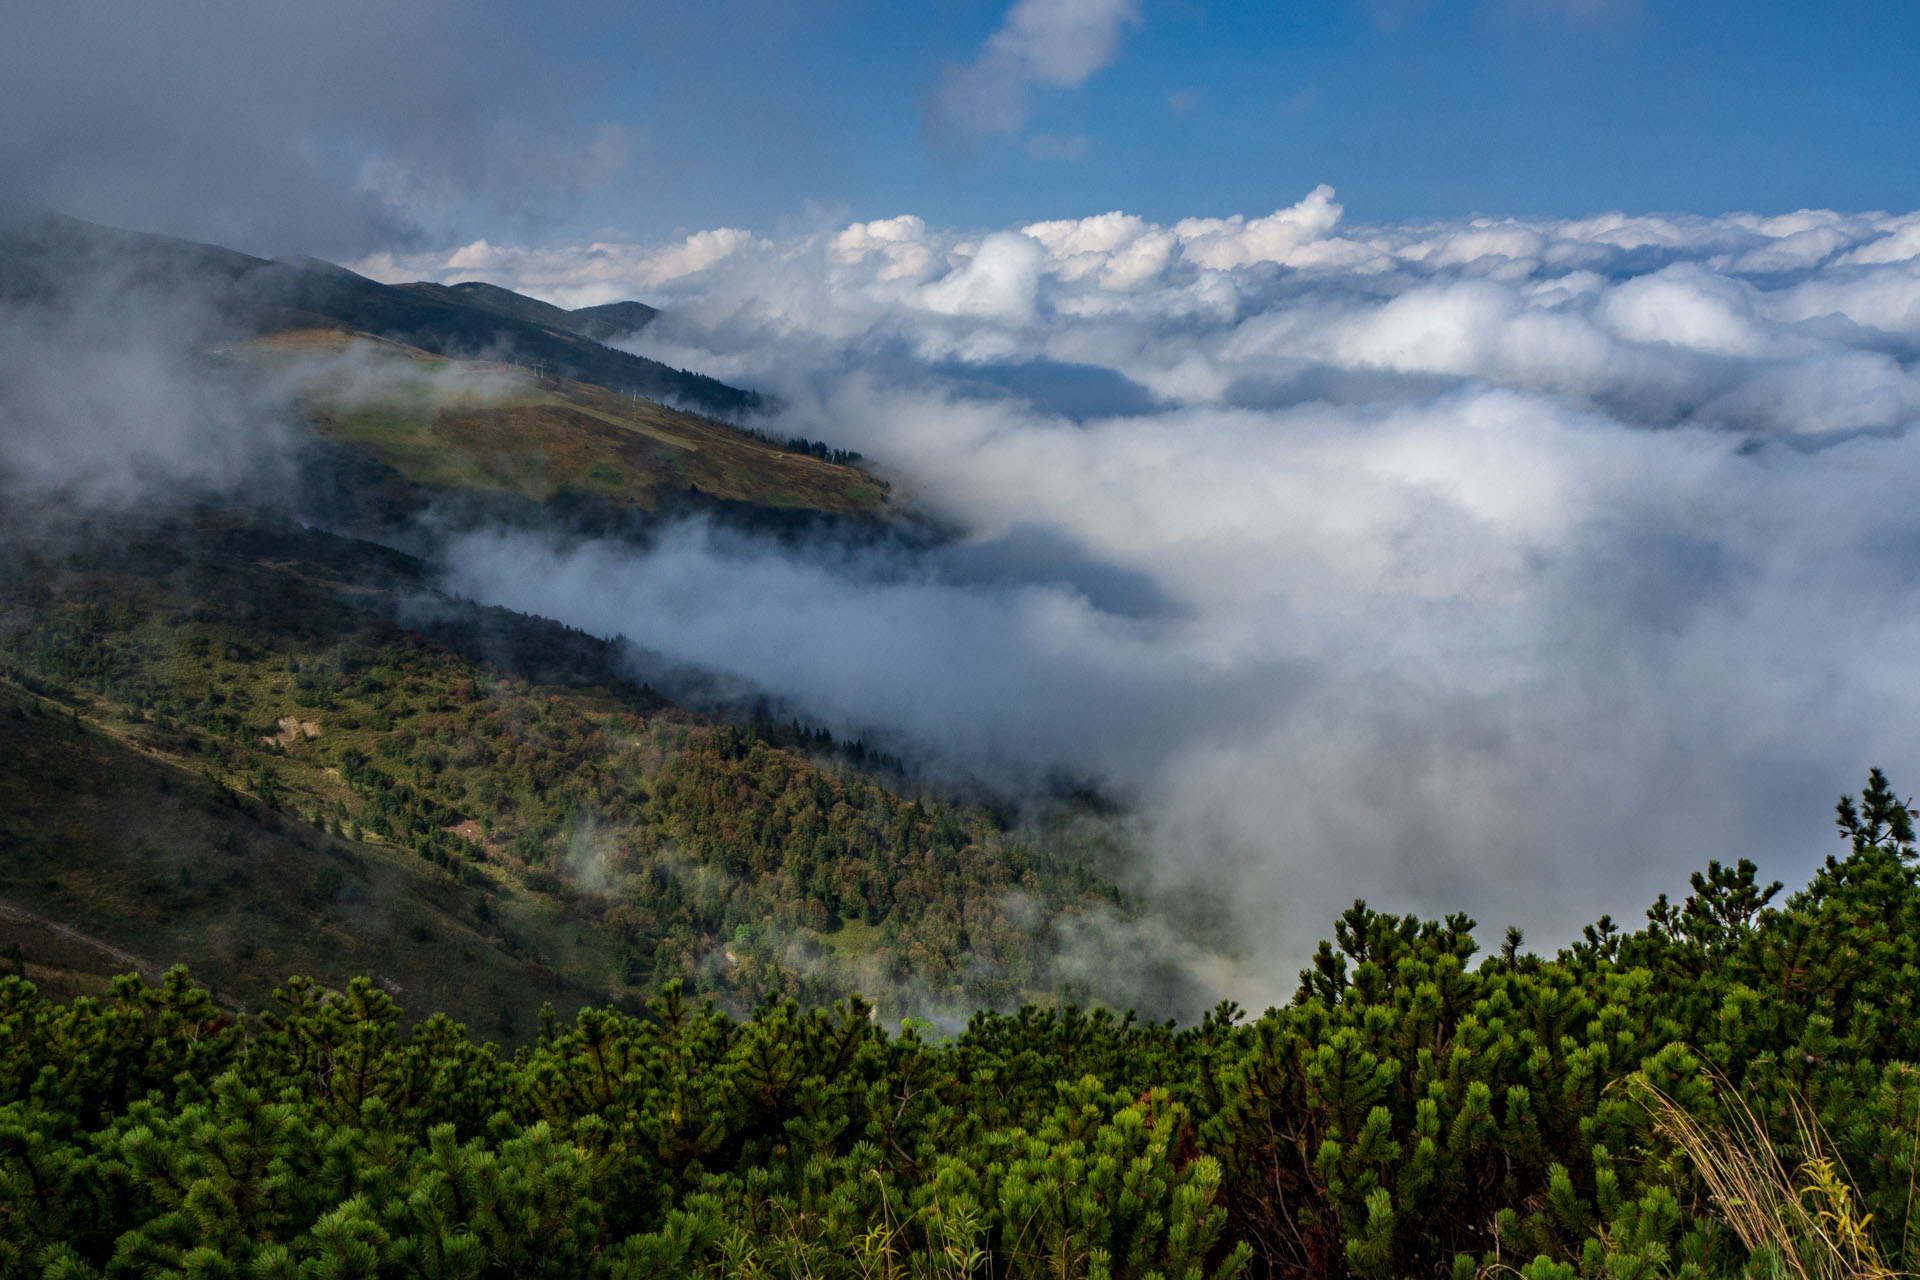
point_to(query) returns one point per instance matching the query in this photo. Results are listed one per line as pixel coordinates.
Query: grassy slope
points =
(489, 427)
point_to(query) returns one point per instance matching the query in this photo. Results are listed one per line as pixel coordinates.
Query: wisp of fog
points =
(112, 391)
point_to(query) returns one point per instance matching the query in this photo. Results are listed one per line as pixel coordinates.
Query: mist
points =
(113, 392)
(1514, 567)
(281, 129)
(135, 377)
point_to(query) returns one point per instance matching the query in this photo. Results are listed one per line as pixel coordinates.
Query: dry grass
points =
(1802, 1221)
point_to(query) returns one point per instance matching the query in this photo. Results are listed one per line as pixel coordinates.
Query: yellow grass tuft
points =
(1805, 1219)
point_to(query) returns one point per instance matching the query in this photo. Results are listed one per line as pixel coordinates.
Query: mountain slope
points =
(533, 802)
(47, 258)
(491, 427)
(289, 751)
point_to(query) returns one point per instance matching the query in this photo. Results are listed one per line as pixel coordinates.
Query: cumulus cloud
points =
(573, 277)
(1514, 566)
(1054, 44)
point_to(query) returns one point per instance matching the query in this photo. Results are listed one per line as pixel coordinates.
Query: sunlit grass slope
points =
(493, 427)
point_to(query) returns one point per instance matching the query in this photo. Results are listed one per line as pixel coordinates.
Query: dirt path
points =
(125, 959)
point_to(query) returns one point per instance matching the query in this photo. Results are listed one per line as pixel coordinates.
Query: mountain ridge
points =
(39, 256)
(600, 323)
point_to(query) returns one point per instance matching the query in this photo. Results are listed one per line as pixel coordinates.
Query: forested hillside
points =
(1414, 1112)
(223, 749)
(245, 729)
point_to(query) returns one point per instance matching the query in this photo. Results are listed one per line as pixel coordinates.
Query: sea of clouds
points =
(1510, 566)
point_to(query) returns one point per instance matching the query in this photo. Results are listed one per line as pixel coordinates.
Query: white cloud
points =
(1900, 243)
(1684, 306)
(571, 277)
(999, 281)
(1293, 237)
(1052, 43)
(901, 241)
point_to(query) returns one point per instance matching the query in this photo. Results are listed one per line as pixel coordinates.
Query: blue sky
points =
(761, 116)
(359, 126)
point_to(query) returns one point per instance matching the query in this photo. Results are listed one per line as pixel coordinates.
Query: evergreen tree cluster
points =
(1415, 1111)
(824, 452)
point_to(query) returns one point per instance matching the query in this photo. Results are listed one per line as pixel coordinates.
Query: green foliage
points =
(1408, 1115)
(1415, 1110)
(1882, 821)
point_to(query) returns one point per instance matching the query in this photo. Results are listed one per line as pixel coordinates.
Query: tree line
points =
(1418, 1109)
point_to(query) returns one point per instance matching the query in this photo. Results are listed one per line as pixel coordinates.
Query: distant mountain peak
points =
(601, 324)
(43, 256)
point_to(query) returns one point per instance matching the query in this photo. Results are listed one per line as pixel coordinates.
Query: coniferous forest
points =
(1724, 1091)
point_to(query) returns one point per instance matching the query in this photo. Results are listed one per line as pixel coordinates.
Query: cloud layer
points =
(1508, 566)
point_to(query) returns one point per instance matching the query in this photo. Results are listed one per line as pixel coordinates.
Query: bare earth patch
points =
(292, 729)
(470, 830)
